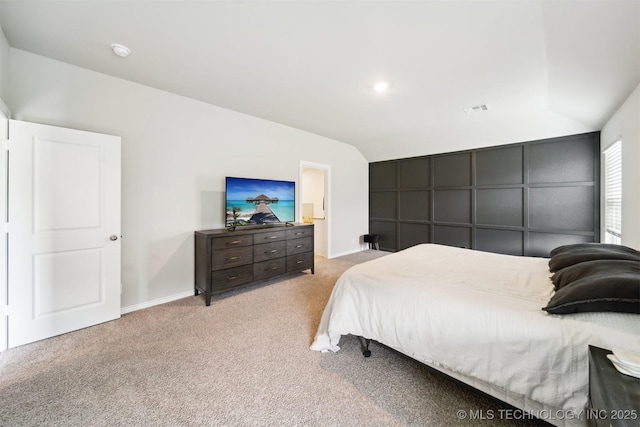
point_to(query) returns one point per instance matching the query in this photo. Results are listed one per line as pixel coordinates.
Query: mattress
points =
(478, 317)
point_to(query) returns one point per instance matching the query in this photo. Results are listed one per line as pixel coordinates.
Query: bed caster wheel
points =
(366, 353)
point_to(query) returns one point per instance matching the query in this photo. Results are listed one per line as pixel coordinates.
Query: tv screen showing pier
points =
(259, 201)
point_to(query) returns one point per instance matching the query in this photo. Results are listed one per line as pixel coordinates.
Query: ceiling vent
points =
(477, 109)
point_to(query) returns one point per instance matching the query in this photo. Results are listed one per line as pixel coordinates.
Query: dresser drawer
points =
(266, 269)
(269, 251)
(270, 237)
(231, 277)
(300, 262)
(297, 246)
(299, 232)
(231, 257)
(231, 241)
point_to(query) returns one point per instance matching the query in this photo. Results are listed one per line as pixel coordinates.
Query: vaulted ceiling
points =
(545, 68)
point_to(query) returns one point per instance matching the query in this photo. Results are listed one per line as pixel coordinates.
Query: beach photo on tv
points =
(259, 201)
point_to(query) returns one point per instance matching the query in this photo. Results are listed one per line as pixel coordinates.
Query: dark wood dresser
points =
(226, 259)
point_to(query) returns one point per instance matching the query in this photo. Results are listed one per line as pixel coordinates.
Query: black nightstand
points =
(614, 398)
(372, 239)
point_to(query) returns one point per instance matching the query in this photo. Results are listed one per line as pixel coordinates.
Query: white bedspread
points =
(477, 315)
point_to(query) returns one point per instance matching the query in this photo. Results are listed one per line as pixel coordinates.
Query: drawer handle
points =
(299, 246)
(271, 269)
(299, 233)
(271, 237)
(273, 251)
(234, 242)
(233, 258)
(230, 278)
(299, 262)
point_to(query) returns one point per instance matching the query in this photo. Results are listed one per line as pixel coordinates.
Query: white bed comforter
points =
(477, 315)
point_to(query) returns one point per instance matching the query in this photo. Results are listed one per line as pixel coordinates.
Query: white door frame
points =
(327, 195)
(5, 114)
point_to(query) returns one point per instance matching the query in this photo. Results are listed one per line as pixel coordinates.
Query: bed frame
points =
(424, 286)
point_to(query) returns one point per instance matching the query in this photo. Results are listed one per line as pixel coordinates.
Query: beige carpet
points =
(243, 361)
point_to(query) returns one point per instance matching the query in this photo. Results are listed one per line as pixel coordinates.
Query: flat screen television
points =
(252, 201)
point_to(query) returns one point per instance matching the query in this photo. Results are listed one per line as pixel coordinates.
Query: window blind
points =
(613, 189)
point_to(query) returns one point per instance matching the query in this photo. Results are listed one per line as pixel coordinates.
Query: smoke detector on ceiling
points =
(477, 109)
(120, 50)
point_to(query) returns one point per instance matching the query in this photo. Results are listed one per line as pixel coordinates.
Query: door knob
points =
(113, 237)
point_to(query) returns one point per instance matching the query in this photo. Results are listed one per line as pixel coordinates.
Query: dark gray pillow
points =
(588, 268)
(602, 291)
(582, 246)
(568, 257)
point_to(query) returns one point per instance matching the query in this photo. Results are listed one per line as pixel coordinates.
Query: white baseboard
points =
(163, 300)
(361, 249)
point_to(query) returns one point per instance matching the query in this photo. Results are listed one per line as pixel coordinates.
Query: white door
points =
(64, 230)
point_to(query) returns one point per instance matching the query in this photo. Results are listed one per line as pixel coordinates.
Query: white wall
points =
(175, 155)
(4, 66)
(625, 125)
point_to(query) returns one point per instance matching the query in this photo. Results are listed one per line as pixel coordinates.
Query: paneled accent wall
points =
(519, 199)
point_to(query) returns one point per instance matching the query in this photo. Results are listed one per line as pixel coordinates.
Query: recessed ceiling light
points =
(120, 50)
(381, 86)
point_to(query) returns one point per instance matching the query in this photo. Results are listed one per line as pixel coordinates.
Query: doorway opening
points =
(314, 204)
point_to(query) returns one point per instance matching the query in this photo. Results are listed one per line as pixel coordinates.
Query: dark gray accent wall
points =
(518, 199)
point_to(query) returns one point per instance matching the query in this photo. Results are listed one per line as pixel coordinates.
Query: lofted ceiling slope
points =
(546, 68)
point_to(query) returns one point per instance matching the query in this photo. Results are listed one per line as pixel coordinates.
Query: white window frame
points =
(612, 172)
